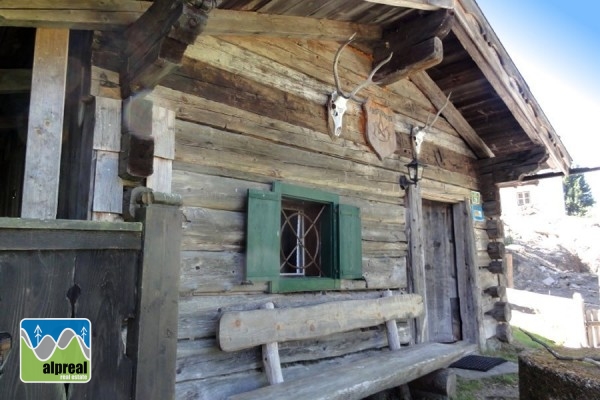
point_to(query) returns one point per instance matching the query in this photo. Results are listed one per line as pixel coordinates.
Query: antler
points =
(429, 125)
(367, 82)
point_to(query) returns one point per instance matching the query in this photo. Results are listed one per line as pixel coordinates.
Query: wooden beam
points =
(513, 167)
(416, 46)
(453, 116)
(156, 42)
(415, 59)
(118, 15)
(417, 30)
(44, 133)
(71, 14)
(15, 81)
(417, 4)
(244, 23)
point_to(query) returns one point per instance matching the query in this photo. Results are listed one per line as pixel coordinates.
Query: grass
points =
(467, 388)
(470, 389)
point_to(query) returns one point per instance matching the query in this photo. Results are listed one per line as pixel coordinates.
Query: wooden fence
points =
(592, 326)
(123, 277)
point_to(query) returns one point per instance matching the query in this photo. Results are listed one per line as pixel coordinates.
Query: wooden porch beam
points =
(15, 81)
(513, 167)
(417, 4)
(452, 115)
(44, 133)
(414, 59)
(416, 45)
(118, 15)
(71, 14)
(156, 42)
(244, 23)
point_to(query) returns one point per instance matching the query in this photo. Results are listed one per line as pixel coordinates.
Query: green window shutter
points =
(350, 242)
(262, 235)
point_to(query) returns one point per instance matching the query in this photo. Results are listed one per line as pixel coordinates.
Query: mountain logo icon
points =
(56, 350)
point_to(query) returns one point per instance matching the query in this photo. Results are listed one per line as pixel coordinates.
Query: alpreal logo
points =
(56, 350)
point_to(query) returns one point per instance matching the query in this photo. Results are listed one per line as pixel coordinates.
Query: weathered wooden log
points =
(491, 207)
(495, 250)
(494, 228)
(496, 291)
(501, 312)
(441, 382)
(244, 329)
(496, 267)
(136, 158)
(504, 333)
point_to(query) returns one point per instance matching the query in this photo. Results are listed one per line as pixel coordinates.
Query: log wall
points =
(250, 111)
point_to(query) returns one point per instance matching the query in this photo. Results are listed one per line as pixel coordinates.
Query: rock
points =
(542, 377)
(548, 281)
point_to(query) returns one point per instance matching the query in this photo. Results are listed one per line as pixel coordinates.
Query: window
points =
(523, 198)
(301, 239)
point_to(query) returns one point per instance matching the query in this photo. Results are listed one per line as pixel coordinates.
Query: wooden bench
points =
(352, 380)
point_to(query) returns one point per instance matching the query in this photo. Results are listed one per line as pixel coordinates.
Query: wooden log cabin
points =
(227, 104)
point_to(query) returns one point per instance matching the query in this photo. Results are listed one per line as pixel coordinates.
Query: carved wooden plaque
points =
(381, 133)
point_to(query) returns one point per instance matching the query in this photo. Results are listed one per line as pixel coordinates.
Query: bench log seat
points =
(356, 379)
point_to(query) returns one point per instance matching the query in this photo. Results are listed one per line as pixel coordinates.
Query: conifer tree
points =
(578, 195)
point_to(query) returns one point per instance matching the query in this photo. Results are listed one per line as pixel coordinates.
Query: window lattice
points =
(301, 238)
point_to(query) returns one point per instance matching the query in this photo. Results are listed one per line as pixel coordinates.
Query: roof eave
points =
(479, 40)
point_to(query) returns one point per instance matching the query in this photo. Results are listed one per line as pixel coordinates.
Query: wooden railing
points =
(122, 276)
(592, 327)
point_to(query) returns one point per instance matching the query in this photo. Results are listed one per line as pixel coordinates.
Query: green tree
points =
(578, 195)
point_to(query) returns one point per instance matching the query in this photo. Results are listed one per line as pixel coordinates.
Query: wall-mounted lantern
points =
(415, 174)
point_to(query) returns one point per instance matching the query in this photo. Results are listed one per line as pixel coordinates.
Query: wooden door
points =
(443, 308)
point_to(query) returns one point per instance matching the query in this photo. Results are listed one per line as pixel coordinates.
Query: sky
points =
(555, 44)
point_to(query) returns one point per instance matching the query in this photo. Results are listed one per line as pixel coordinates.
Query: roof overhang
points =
(492, 107)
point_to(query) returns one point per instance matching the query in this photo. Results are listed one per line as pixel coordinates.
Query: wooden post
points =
(467, 270)
(44, 132)
(393, 338)
(392, 328)
(108, 187)
(156, 324)
(163, 132)
(416, 255)
(270, 355)
(508, 257)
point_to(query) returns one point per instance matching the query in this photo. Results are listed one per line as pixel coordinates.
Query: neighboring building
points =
(542, 197)
(122, 111)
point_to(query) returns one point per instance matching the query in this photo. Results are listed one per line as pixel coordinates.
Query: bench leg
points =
(270, 355)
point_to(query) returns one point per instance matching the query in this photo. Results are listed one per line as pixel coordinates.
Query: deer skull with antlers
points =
(338, 100)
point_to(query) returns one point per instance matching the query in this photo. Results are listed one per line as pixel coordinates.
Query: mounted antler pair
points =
(338, 100)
